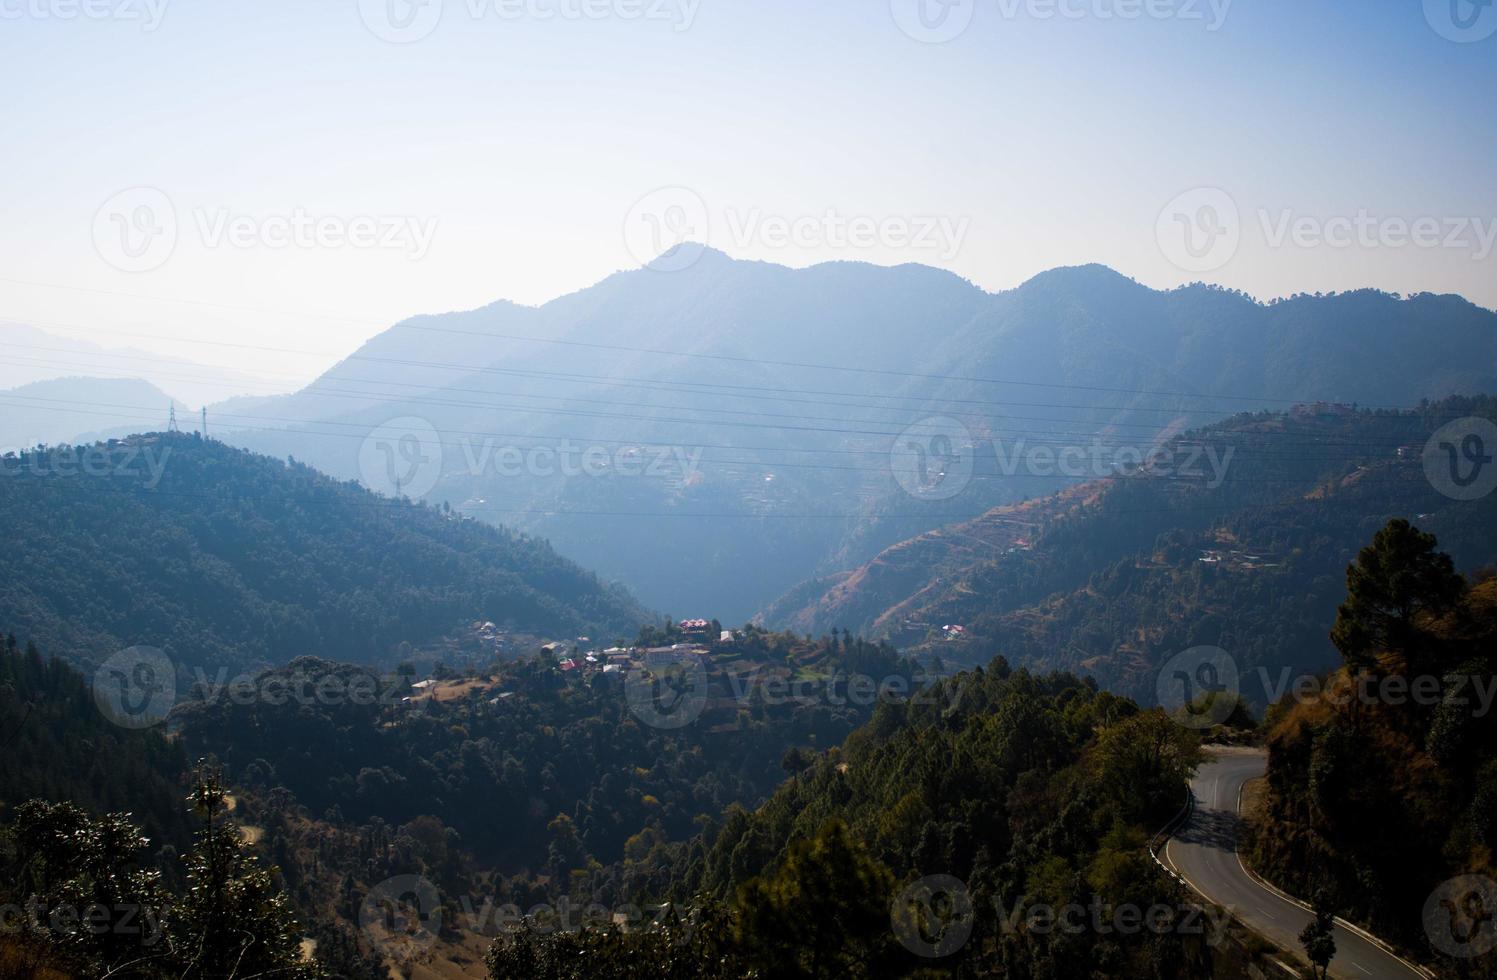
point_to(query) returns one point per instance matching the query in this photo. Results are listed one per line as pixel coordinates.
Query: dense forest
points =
(222, 558)
(55, 744)
(1383, 783)
(555, 777)
(1003, 793)
(1029, 791)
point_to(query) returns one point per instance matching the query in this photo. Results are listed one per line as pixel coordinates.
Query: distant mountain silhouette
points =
(67, 410)
(29, 355)
(794, 450)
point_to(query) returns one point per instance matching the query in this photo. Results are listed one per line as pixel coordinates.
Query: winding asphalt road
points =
(1204, 852)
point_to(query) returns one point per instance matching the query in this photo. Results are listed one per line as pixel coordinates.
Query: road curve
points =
(1204, 853)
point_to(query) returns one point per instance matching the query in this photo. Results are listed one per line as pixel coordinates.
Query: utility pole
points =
(171, 420)
(205, 421)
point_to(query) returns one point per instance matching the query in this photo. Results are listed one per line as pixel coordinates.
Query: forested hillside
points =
(1112, 578)
(1382, 783)
(225, 559)
(56, 745)
(497, 754)
(1000, 794)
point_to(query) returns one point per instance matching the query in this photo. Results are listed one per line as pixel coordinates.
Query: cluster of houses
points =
(623, 659)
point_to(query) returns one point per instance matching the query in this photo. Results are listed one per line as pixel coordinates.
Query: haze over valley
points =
(696, 490)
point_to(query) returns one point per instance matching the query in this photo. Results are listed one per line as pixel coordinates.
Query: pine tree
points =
(233, 922)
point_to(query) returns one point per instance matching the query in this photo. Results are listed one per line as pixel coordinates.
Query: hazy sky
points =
(300, 174)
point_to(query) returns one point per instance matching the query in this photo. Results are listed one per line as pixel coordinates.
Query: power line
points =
(1078, 509)
(840, 367)
(717, 388)
(378, 396)
(363, 429)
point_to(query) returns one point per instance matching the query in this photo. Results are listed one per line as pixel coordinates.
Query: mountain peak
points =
(689, 255)
(1092, 275)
